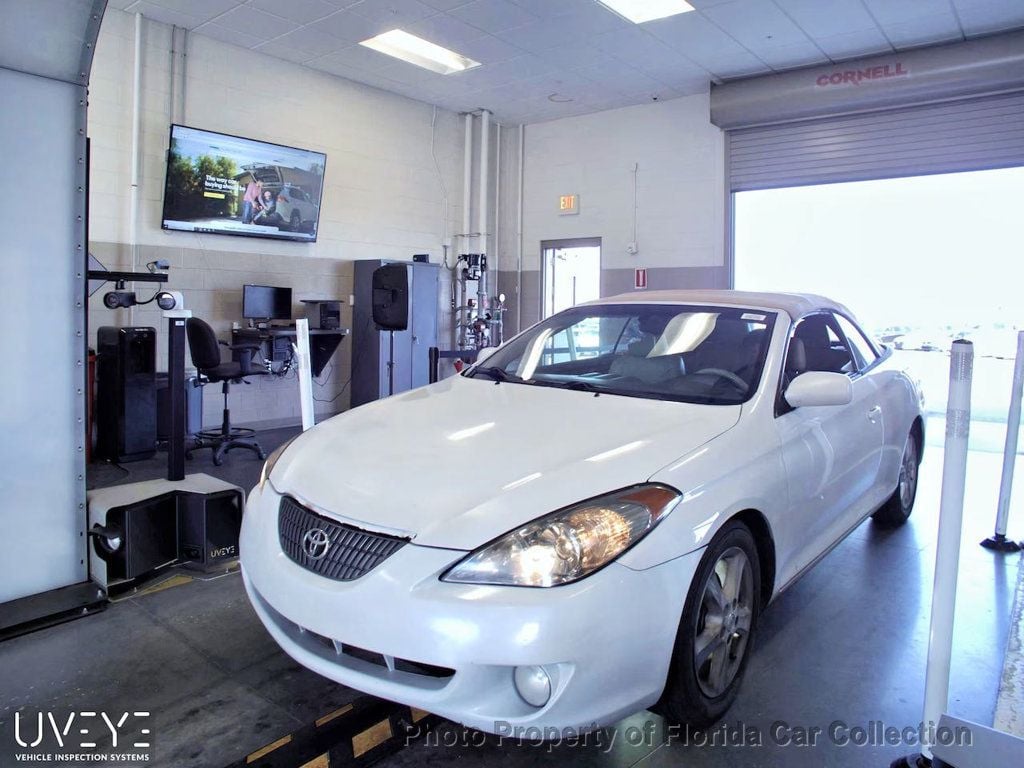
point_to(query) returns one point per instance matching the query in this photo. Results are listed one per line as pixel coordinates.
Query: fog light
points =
(533, 684)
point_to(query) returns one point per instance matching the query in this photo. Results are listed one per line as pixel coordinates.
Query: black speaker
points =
(125, 393)
(391, 297)
(209, 525)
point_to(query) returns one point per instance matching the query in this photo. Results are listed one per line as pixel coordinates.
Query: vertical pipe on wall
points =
(519, 232)
(497, 207)
(172, 107)
(467, 223)
(133, 197)
(483, 190)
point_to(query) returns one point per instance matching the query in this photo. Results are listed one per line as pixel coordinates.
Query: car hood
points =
(460, 462)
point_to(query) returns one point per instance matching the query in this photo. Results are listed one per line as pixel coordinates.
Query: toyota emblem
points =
(316, 543)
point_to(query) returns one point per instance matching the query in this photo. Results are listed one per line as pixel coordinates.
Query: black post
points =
(391, 365)
(176, 397)
(435, 358)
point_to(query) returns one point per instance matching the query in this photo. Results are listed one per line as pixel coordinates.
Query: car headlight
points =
(268, 465)
(569, 544)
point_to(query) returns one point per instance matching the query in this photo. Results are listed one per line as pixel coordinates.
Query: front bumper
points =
(606, 641)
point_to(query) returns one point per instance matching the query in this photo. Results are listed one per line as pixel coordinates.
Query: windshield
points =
(693, 354)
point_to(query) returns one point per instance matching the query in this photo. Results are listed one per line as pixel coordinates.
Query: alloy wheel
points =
(723, 622)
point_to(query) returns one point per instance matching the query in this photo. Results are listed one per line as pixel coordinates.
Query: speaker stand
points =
(391, 364)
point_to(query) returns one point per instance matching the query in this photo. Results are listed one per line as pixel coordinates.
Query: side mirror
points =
(819, 388)
(484, 353)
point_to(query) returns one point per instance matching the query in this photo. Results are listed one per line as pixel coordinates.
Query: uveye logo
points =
(224, 552)
(50, 737)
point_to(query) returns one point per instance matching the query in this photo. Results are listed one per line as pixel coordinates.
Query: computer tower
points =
(126, 412)
(371, 347)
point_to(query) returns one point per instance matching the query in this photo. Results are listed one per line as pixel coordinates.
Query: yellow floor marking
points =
(318, 762)
(268, 749)
(371, 737)
(175, 581)
(336, 713)
(418, 714)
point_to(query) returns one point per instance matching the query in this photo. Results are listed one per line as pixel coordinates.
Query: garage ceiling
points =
(544, 59)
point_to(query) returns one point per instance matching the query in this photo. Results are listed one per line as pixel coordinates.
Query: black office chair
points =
(205, 348)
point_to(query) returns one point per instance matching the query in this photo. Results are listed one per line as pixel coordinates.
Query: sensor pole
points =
(947, 555)
(999, 542)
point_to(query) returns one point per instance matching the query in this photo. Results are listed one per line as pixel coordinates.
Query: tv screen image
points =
(228, 185)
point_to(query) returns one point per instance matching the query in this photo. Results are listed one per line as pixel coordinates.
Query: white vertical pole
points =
(947, 555)
(1010, 448)
(305, 375)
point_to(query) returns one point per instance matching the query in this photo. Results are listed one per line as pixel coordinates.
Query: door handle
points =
(874, 413)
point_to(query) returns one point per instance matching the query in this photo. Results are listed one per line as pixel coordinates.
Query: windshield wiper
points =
(581, 386)
(493, 372)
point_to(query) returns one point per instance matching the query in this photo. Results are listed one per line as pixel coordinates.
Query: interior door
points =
(831, 453)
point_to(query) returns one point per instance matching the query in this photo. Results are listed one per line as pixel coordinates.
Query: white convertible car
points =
(589, 520)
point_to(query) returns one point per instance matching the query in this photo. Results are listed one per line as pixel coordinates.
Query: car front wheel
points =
(716, 631)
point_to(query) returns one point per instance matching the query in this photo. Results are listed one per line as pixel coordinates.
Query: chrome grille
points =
(351, 552)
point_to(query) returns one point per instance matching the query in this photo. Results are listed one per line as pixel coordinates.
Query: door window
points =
(824, 348)
(859, 345)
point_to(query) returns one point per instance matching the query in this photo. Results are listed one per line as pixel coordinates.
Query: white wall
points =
(382, 197)
(680, 196)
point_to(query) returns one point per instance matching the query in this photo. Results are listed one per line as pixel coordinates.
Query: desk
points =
(276, 344)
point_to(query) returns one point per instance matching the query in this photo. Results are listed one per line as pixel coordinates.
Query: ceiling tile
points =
(488, 48)
(891, 11)
(980, 17)
(284, 52)
(299, 11)
(393, 13)
(792, 56)
(165, 15)
(756, 24)
(444, 30)
(228, 35)
(854, 44)
(358, 56)
(445, 5)
(706, 45)
(307, 41)
(256, 23)
(493, 15)
(835, 17)
(349, 27)
(200, 9)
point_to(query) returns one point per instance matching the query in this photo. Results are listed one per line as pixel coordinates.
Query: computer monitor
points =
(266, 302)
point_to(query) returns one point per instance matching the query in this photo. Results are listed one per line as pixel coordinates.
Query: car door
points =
(831, 453)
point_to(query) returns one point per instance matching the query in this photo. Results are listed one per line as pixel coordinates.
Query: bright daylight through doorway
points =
(922, 260)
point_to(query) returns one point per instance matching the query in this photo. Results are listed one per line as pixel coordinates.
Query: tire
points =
(897, 509)
(699, 692)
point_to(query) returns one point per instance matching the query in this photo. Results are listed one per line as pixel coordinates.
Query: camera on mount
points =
(119, 299)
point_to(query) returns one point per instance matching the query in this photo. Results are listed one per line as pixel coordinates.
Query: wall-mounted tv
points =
(228, 185)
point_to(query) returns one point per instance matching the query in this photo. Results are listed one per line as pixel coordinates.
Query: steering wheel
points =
(729, 375)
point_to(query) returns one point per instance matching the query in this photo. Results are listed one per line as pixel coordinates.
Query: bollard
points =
(305, 374)
(998, 542)
(947, 555)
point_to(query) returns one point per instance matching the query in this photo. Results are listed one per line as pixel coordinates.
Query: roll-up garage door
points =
(945, 109)
(963, 135)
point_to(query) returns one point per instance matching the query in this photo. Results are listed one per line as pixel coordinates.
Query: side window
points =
(862, 349)
(821, 347)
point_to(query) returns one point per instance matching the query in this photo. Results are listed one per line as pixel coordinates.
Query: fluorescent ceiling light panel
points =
(422, 53)
(639, 11)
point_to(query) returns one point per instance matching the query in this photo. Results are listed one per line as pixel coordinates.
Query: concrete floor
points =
(846, 643)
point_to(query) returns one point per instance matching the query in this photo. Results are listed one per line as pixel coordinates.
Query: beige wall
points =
(382, 195)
